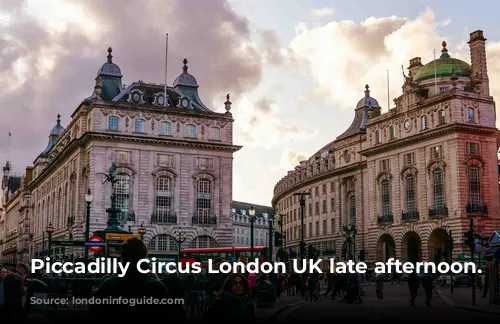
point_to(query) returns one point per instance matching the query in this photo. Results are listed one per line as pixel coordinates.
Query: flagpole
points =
(435, 74)
(8, 146)
(388, 96)
(166, 70)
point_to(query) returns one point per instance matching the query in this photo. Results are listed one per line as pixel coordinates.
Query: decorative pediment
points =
(434, 164)
(384, 175)
(125, 169)
(474, 160)
(204, 175)
(159, 172)
(410, 169)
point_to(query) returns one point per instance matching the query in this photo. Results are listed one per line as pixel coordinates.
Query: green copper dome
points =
(443, 68)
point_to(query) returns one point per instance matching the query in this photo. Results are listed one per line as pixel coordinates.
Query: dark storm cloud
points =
(208, 33)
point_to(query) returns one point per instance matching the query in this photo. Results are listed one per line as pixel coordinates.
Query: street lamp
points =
(350, 232)
(141, 230)
(448, 247)
(302, 210)
(180, 238)
(88, 200)
(50, 230)
(251, 212)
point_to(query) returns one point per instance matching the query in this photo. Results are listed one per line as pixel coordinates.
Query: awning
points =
(493, 252)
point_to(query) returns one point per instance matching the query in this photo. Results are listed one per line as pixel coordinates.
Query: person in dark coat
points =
(174, 286)
(413, 284)
(428, 287)
(234, 302)
(14, 290)
(139, 292)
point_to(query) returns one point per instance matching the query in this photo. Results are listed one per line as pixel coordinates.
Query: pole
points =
(302, 211)
(282, 237)
(50, 242)
(471, 228)
(271, 240)
(388, 96)
(179, 242)
(435, 73)
(252, 218)
(43, 245)
(450, 240)
(166, 70)
(87, 231)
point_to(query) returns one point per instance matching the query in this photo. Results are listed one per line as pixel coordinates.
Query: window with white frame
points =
(204, 242)
(438, 188)
(386, 198)
(474, 175)
(190, 130)
(122, 191)
(410, 192)
(441, 117)
(436, 152)
(392, 132)
(409, 158)
(163, 242)
(203, 199)
(470, 115)
(377, 137)
(165, 128)
(113, 123)
(423, 120)
(473, 148)
(215, 133)
(163, 199)
(140, 126)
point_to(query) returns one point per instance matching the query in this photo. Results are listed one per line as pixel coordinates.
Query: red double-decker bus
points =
(221, 254)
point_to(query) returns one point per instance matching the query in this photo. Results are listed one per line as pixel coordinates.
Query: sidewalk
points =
(462, 299)
(265, 314)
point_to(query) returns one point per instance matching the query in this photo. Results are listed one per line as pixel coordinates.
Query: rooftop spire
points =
(58, 119)
(444, 51)
(110, 57)
(185, 67)
(367, 91)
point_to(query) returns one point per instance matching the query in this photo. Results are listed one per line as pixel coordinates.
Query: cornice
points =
(441, 130)
(319, 177)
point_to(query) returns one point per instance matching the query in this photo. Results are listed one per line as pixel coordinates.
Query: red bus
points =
(222, 254)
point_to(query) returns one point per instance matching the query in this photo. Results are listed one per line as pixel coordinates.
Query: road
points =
(395, 307)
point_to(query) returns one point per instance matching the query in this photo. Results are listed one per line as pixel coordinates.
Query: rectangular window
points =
(190, 131)
(316, 207)
(316, 190)
(165, 160)
(473, 148)
(165, 128)
(441, 117)
(436, 152)
(140, 126)
(122, 157)
(332, 226)
(324, 188)
(392, 133)
(310, 229)
(325, 228)
(332, 186)
(384, 165)
(332, 204)
(424, 122)
(324, 206)
(215, 134)
(317, 229)
(113, 123)
(409, 158)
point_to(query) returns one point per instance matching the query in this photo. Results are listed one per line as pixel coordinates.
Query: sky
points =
(295, 69)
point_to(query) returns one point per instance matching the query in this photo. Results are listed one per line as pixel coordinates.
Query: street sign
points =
(95, 243)
(466, 256)
(120, 237)
(67, 243)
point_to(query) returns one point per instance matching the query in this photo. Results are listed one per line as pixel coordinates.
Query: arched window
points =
(352, 210)
(410, 193)
(474, 175)
(203, 242)
(190, 130)
(113, 123)
(377, 137)
(441, 117)
(386, 198)
(165, 128)
(424, 122)
(470, 115)
(438, 188)
(163, 199)
(122, 191)
(215, 133)
(162, 242)
(203, 200)
(140, 126)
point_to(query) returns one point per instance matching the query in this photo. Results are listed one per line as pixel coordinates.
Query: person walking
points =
(14, 290)
(413, 284)
(428, 287)
(379, 287)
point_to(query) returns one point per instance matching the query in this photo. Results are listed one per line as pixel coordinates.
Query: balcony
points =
(438, 212)
(386, 219)
(204, 220)
(163, 218)
(477, 209)
(410, 216)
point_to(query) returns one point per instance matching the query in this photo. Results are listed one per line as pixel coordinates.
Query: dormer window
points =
(190, 130)
(113, 123)
(140, 126)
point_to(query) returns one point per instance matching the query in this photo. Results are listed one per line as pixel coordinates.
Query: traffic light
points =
(310, 253)
(469, 238)
(278, 239)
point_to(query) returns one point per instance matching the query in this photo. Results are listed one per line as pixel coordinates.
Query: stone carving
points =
(122, 113)
(153, 125)
(178, 127)
(106, 112)
(202, 129)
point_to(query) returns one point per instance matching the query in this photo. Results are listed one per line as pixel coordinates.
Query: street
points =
(394, 307)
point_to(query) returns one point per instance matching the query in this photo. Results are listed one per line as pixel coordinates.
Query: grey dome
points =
(367, 101)
(109, 68)
(185, 79)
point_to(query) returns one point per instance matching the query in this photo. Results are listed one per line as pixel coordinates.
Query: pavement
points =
(394, 307)
(462, 299)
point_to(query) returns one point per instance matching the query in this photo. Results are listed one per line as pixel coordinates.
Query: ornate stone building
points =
(406, 176)
(174, 157)
(242, 225)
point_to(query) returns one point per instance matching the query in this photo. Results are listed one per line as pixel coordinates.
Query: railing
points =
(165, 218)
(438, 212)
(204, 220)
(410, 216)
(476, 209)
(126, 217)
(387, 218)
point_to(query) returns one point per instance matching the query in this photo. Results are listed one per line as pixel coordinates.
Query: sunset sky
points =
(295, 69)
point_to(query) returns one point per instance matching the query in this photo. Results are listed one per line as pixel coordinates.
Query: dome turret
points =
(185, 79)
(443, 67)
(109, 68)
(56, 131)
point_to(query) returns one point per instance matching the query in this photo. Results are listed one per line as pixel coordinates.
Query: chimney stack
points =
(477, 45)
(415, 65)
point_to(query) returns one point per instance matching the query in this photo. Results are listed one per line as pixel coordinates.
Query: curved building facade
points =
(406, 178)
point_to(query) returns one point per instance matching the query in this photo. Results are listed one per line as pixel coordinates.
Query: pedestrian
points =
(413, 284)
(234, 302)
(486, 282)
(3, 274)
(134, 287)
(428, 287)
(14, 290)
(379, 287)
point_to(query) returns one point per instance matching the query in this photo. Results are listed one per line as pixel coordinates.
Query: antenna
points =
(435, 74)
(8, 146)
(166, 71)
(388, 100)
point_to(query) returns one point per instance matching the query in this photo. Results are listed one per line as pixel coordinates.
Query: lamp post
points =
(251, 212)
(141, 230)
(180, 238)
(350, 232)
(50, 230)
(88, 200)
(302, 210)
(270, 220)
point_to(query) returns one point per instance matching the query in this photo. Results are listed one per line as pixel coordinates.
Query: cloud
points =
(322, 12)
(290, 159)
(51, 52)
